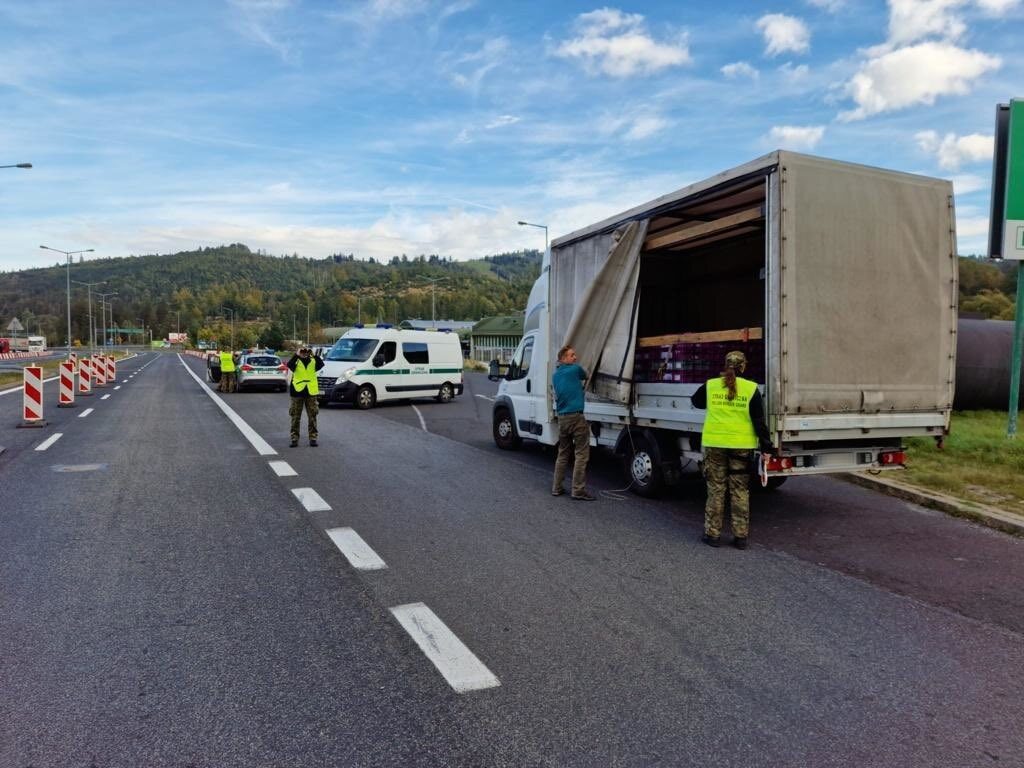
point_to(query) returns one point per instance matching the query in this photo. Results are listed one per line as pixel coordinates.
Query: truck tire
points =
(446, 393)
(366, 398)
(643, 466)
(505, 435)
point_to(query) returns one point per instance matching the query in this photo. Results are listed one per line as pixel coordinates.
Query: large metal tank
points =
(983, 365)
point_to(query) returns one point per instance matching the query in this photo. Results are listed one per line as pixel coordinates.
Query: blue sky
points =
(382, 127)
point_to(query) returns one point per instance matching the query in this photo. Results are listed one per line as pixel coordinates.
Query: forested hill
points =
(194, 290)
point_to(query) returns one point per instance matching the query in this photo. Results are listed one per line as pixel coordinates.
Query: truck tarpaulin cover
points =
(868, 290)
(596, 281)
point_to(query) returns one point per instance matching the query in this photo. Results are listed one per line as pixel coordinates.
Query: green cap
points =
(735, 359)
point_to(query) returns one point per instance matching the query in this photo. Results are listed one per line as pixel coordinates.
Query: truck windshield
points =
(352, 350)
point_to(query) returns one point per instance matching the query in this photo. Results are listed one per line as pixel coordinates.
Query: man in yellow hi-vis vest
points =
(733, 428)
(227, 372)
(304, 390)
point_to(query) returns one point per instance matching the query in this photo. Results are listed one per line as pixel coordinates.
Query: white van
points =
(385, 363)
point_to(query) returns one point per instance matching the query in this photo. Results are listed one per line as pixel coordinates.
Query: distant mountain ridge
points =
(199, 291)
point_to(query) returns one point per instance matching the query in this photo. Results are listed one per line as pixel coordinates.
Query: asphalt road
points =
(166, 598)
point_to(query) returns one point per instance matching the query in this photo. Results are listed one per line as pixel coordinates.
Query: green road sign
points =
(1013, 229)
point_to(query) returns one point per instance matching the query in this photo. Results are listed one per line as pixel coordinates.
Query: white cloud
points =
(645, 126)
(912, 20)
(618, 45)
(469, 70)
(501, 121)
(784, 33)
(257, 19)
(632, 127)
(740, 69)
(917, 74)
(953, 151)
(794, 74)
(997, 7)
(796, 137)
(832, 6)
(966, 183)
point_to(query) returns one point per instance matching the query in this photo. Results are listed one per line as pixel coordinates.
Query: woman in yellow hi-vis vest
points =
(733, 428)
(227, 372)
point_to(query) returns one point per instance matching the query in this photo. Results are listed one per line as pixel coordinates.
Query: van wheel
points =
(365, 398)
(505, 435)
(446, 393)
(643, 466)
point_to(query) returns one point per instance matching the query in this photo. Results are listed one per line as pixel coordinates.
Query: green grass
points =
(977, 463)
(10, 379)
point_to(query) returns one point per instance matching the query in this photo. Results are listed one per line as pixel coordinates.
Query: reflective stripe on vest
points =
(305, 376)
(227, 363)
(728, 424)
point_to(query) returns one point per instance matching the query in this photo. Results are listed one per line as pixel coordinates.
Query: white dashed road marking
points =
(105, 397)
(463, 671)
(117, 387)
(358, 552)
(422, 422)
(85, 413)
(49, 441)
(485, 397)
(282, 469)
(311, 500)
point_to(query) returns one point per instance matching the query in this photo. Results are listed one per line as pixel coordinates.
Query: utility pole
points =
(92, 322)
(433, 304)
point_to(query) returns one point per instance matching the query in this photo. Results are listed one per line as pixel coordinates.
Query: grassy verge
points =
(977, 462)
(10, 379)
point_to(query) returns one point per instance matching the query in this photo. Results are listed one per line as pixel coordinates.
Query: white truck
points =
(839, 281)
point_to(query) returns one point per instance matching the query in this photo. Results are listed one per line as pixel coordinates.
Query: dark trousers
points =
(573, 440)
(295, 409)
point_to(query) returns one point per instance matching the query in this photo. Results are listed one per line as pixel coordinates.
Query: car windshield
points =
(263, 361)
(352, 350)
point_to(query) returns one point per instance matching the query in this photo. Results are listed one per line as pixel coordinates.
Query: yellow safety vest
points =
(728, 424)
(227, 363)
(305, 376)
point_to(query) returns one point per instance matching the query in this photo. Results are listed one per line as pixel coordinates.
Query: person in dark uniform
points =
(733, 428)
(304, 390)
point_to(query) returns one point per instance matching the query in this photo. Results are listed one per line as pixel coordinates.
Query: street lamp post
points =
(92, 322)
(228, 309)
(17, 165)
(539, 226)
(103, 313)
(307, 322)
(69, 254)
(433, 304)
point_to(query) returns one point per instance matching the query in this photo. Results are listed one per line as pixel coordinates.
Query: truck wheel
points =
(505, 435)
(365, 397)
(446, 393)
(643, 467)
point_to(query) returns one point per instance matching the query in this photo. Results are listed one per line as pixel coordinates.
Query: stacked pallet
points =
(693, 358)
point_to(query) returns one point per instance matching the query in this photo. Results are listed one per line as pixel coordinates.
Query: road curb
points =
(992, 517)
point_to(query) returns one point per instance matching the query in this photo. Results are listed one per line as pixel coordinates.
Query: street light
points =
(69, 254)
(228, 309)
(433, 284)
(539, 226)
(307, 322)
(92, 323)
(18, 165)
(103, 313)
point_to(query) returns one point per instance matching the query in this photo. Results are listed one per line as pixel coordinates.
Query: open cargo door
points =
(600, 285)
(868, 290)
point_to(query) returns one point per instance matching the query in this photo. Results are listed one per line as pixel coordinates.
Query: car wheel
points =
(643, 466)
(505, 435)
(365, 397)
(446, 393)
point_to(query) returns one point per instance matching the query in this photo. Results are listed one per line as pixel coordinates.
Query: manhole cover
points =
(78, 467)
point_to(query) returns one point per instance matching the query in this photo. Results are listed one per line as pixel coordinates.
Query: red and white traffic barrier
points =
(111, 369)
(66, 393)
(85, 377)
(33, 397)
(99, 369)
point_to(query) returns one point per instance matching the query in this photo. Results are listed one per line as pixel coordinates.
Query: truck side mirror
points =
(494, 371)
(378, 361)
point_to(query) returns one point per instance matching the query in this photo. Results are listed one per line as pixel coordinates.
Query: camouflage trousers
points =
(227, 382)
(295, 411)
(573, 440)
(727, 473)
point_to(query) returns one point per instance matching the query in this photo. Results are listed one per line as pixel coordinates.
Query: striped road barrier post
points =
(111, 369)
(33, 397)
(85, 377)
(99, 370)
(66, 389)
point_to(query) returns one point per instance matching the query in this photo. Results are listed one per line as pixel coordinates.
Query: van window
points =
(389, 350)
(520, 364)
(415, 352)
(352, 350)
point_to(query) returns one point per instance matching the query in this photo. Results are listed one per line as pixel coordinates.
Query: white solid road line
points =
(262, 446)
(422, 422)
(311, 500)
(282, 469)
(463, 671)
(85, 413)
(485, 397)
(105, 396)
(22, 387)
(357, 551)
(49, 441)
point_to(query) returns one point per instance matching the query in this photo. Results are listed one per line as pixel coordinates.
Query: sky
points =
(383, 127)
